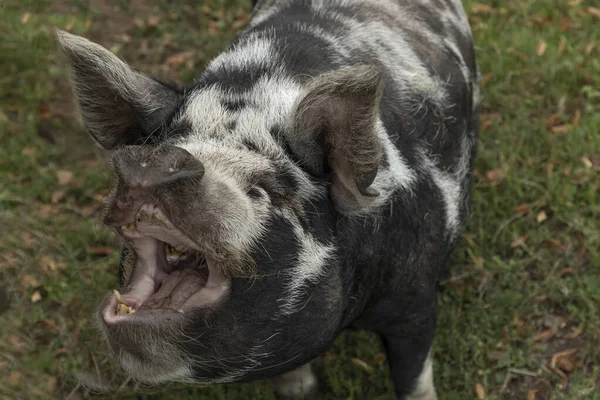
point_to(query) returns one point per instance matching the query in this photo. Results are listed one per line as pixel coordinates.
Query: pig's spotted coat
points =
(259, 75)
(236, 119)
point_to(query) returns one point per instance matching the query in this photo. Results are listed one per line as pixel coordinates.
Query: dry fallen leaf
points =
(522, 208)
(587, 162)
(101, 250)
(531, 394)
(495, 175)
(57, 196)
(25, 17)
(480, 391)
(48, 264)
(480, 8)
(360, 363)
(15, 378)
(544, 335)
(561, 128)
(541, 217)
(595, 11)
(36, 296)
(541, 48)
(520, 242)
(576, 118)
(30, 281)
(561, 46)
(565, 360)
(64, 177)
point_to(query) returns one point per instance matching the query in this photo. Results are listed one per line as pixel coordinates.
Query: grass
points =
(523, 286)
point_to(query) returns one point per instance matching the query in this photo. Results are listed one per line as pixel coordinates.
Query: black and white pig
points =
(314, 178)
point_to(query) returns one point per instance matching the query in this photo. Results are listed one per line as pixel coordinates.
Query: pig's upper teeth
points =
(156, 219)
(119, 297)
(129, 227)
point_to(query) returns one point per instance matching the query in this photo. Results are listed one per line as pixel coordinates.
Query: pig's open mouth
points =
(170, 272)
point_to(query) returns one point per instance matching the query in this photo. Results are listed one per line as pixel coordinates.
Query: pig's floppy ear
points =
(119, 105)
(333, 128)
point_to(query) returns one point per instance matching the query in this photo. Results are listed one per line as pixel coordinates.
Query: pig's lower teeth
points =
(122, 307)
(173, 255)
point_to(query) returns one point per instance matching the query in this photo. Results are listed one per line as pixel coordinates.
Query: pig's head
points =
(227, 196)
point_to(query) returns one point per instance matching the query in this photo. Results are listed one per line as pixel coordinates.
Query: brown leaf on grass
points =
(360, 363)
(379, 359)
(61, 351)
(541, 217)
(486, 78)
(561, 128)
(576, 118)
(480, 8)
(551, 120)
(590, 46)
(541, 48)
(153, 20)
(545, 335)
(179, 59)
(27, 238)
(44, 112)
(64, 177)
(480, 391)
(594, 11)
(50, 325)
(48, 264)
(495, 176)
(101, 251)
(531, 394)
(57, 196)
(565, 23)
(520, 242)
(554, 244)
(522, 208)
(16, 342)
(36, 296)
(561, 46)
(30, 281)
(565, 360)
(50, 384)
(29, 152)
(25, 17)
(15, 378)
(587, 163)
(574, 3)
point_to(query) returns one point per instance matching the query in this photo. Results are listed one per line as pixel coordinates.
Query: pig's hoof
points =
(299, 384)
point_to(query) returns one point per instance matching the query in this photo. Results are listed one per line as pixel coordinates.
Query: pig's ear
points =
(333, 129)
(119, 105)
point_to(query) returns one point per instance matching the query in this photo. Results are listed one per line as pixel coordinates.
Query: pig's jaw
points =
(171, 273)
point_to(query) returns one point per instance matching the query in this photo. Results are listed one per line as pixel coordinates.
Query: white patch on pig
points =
(424, 388)
(252, 50)
(312, 259)
(297, 383)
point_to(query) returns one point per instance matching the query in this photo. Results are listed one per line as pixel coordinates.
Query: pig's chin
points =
(168, 276)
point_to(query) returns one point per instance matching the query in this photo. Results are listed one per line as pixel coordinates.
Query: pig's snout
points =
(142, 172)
(144, 166)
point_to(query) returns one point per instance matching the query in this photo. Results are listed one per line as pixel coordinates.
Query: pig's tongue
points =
(146, 273)
(175, 289)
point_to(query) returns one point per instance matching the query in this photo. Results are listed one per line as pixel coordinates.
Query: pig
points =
(314, 178)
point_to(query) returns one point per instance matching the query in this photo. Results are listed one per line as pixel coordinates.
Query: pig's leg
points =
(408, 347)
(299, 384)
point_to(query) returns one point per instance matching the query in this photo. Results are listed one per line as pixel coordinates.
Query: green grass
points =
(529, 263)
